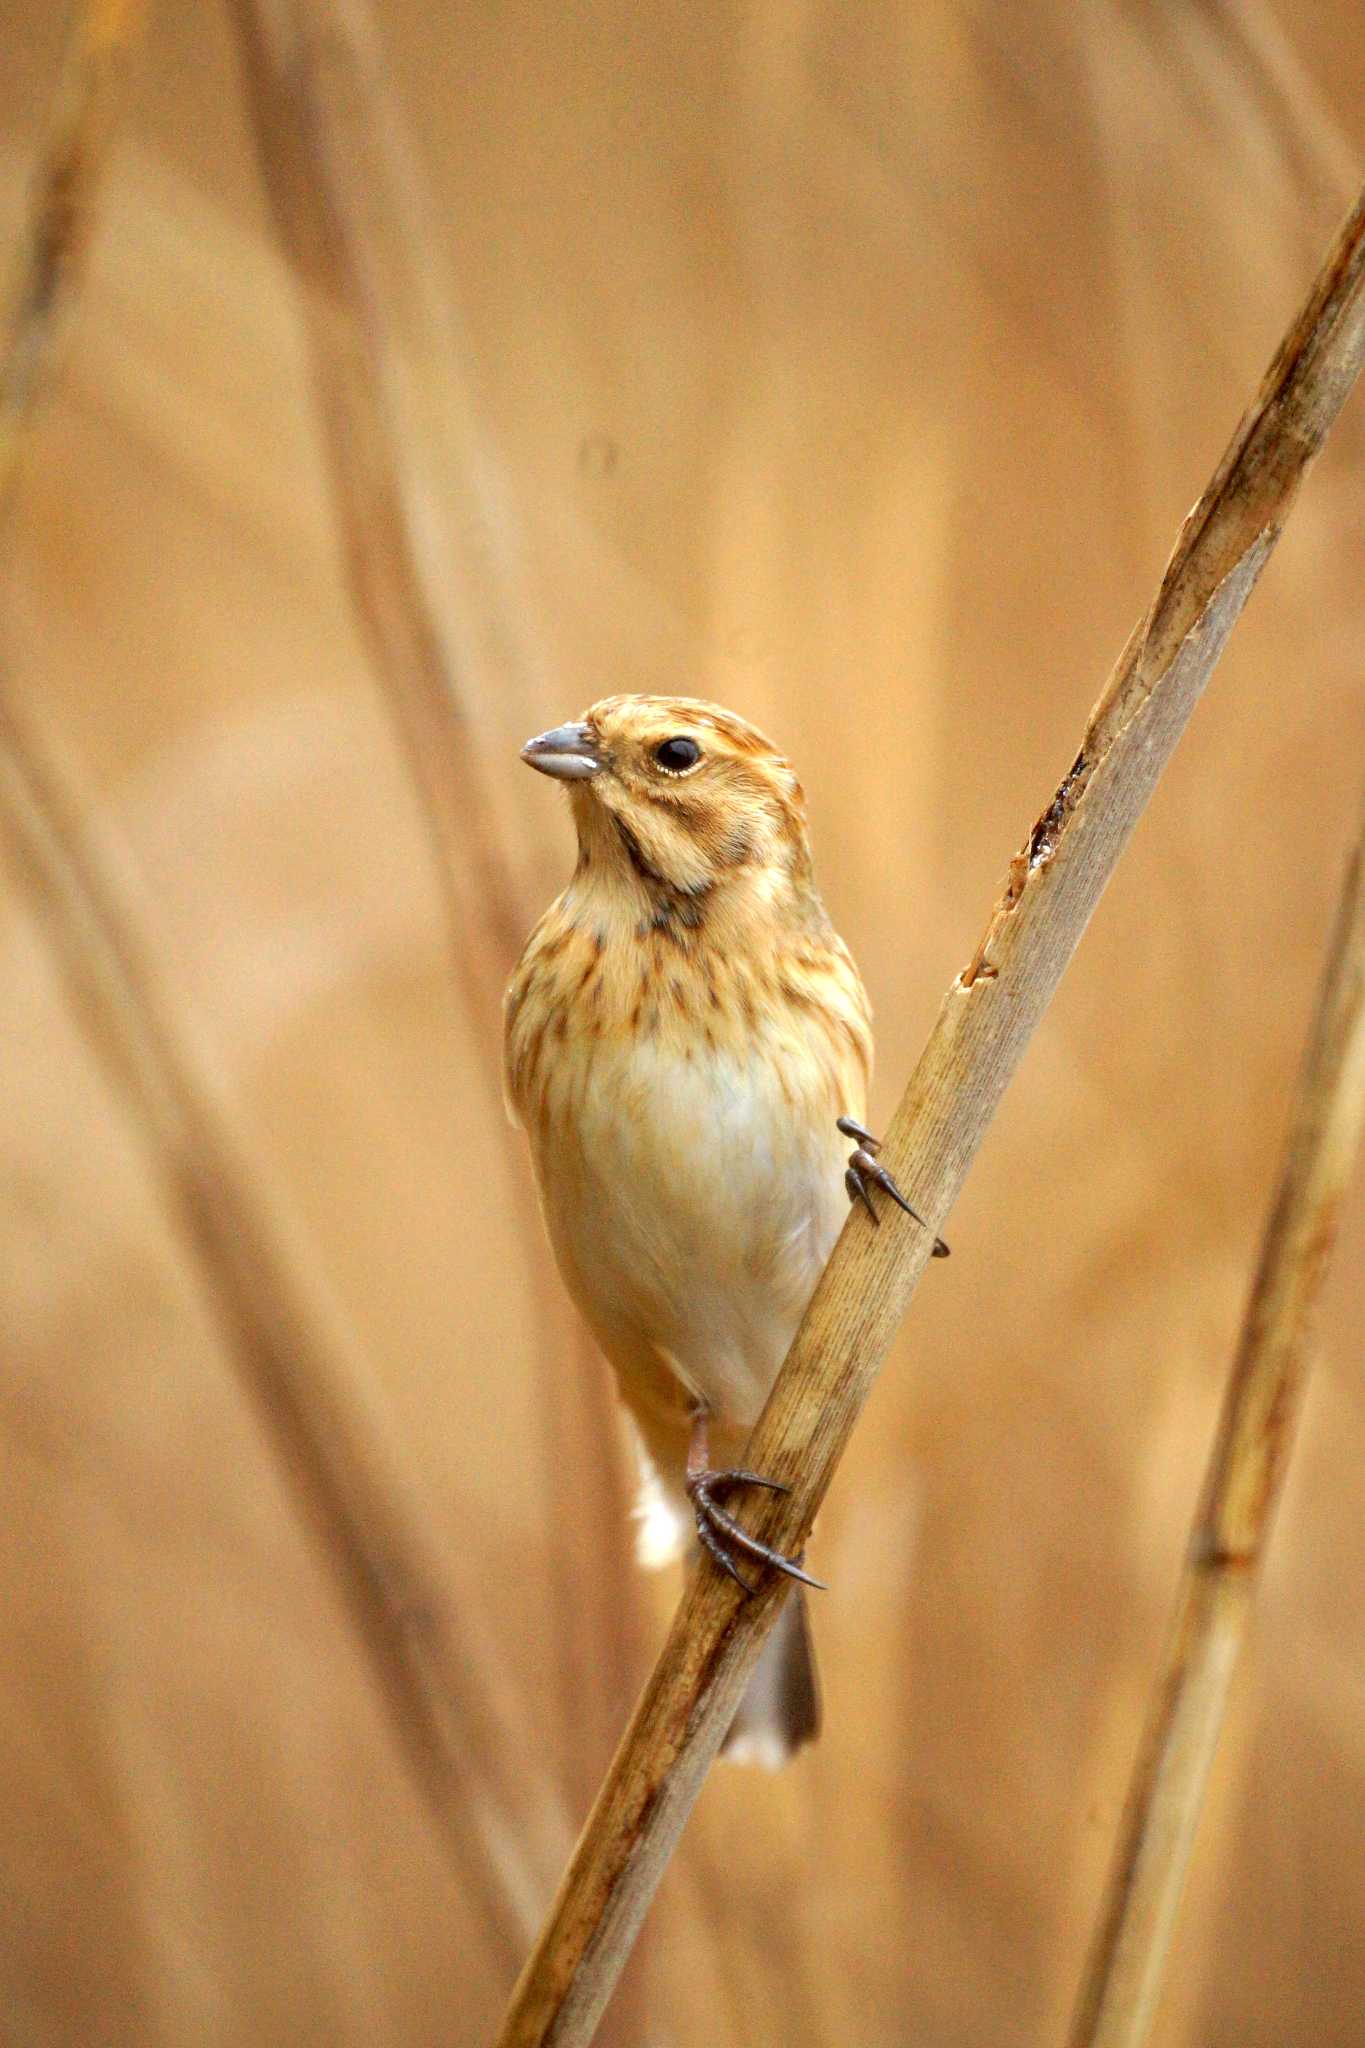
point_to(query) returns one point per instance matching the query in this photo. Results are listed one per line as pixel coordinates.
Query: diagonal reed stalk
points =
(977, 1043)
(1122, 1984)
(351, 210)
(57, 230)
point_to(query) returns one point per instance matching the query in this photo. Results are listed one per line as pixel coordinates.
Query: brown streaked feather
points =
(682, 1032)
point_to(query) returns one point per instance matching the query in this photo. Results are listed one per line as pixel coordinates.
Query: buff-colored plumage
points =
(682, 1032)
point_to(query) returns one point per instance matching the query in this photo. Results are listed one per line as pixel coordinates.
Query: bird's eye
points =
(676, 756)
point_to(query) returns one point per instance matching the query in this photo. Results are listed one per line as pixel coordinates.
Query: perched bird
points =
(688, 1045)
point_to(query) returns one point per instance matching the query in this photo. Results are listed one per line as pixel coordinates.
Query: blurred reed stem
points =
(351, 211)
(449, 1701)
(348, 205)
(1122, 1983)
(51, 257)
(976, 1045)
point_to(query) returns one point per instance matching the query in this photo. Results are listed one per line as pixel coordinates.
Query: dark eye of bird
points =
(677, 755)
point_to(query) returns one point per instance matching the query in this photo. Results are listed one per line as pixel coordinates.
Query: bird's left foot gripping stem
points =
(719, 1532)
(864, 1174)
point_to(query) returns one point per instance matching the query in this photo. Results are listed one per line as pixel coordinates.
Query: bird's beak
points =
(568, 752)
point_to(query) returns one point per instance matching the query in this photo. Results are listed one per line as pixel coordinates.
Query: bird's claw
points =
(864, 1173)
(719, 1532)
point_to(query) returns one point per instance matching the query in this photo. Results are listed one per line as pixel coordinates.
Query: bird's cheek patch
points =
(662, 851)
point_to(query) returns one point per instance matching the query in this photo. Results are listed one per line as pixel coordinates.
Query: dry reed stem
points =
(447, 1700)
(351, 210)
(295, 1360)
(977, 1042)
(58, 226)
(1122, 1983)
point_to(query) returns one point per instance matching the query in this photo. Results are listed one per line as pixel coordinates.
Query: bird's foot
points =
(720, 1534)
(864, 1174)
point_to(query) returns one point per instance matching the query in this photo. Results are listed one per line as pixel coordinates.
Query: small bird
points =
(688, 1045)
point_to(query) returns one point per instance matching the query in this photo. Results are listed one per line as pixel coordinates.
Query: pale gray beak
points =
(568, 752)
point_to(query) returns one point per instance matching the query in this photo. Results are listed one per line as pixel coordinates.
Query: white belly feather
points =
(692, 1210)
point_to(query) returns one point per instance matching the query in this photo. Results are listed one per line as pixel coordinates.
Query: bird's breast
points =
(683, 1129)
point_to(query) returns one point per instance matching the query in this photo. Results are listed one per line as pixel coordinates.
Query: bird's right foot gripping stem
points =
(717, 1531)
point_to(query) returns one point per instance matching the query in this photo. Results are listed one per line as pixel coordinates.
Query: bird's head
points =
(679, 793)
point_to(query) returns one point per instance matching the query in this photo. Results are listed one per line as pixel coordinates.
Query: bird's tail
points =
(781, 1710)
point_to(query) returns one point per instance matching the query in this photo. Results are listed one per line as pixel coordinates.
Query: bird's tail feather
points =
(781, 1709)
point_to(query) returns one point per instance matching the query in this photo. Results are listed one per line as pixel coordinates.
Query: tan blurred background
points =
(853, 365)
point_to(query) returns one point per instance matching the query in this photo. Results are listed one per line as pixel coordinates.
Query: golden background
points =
(853, 365)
